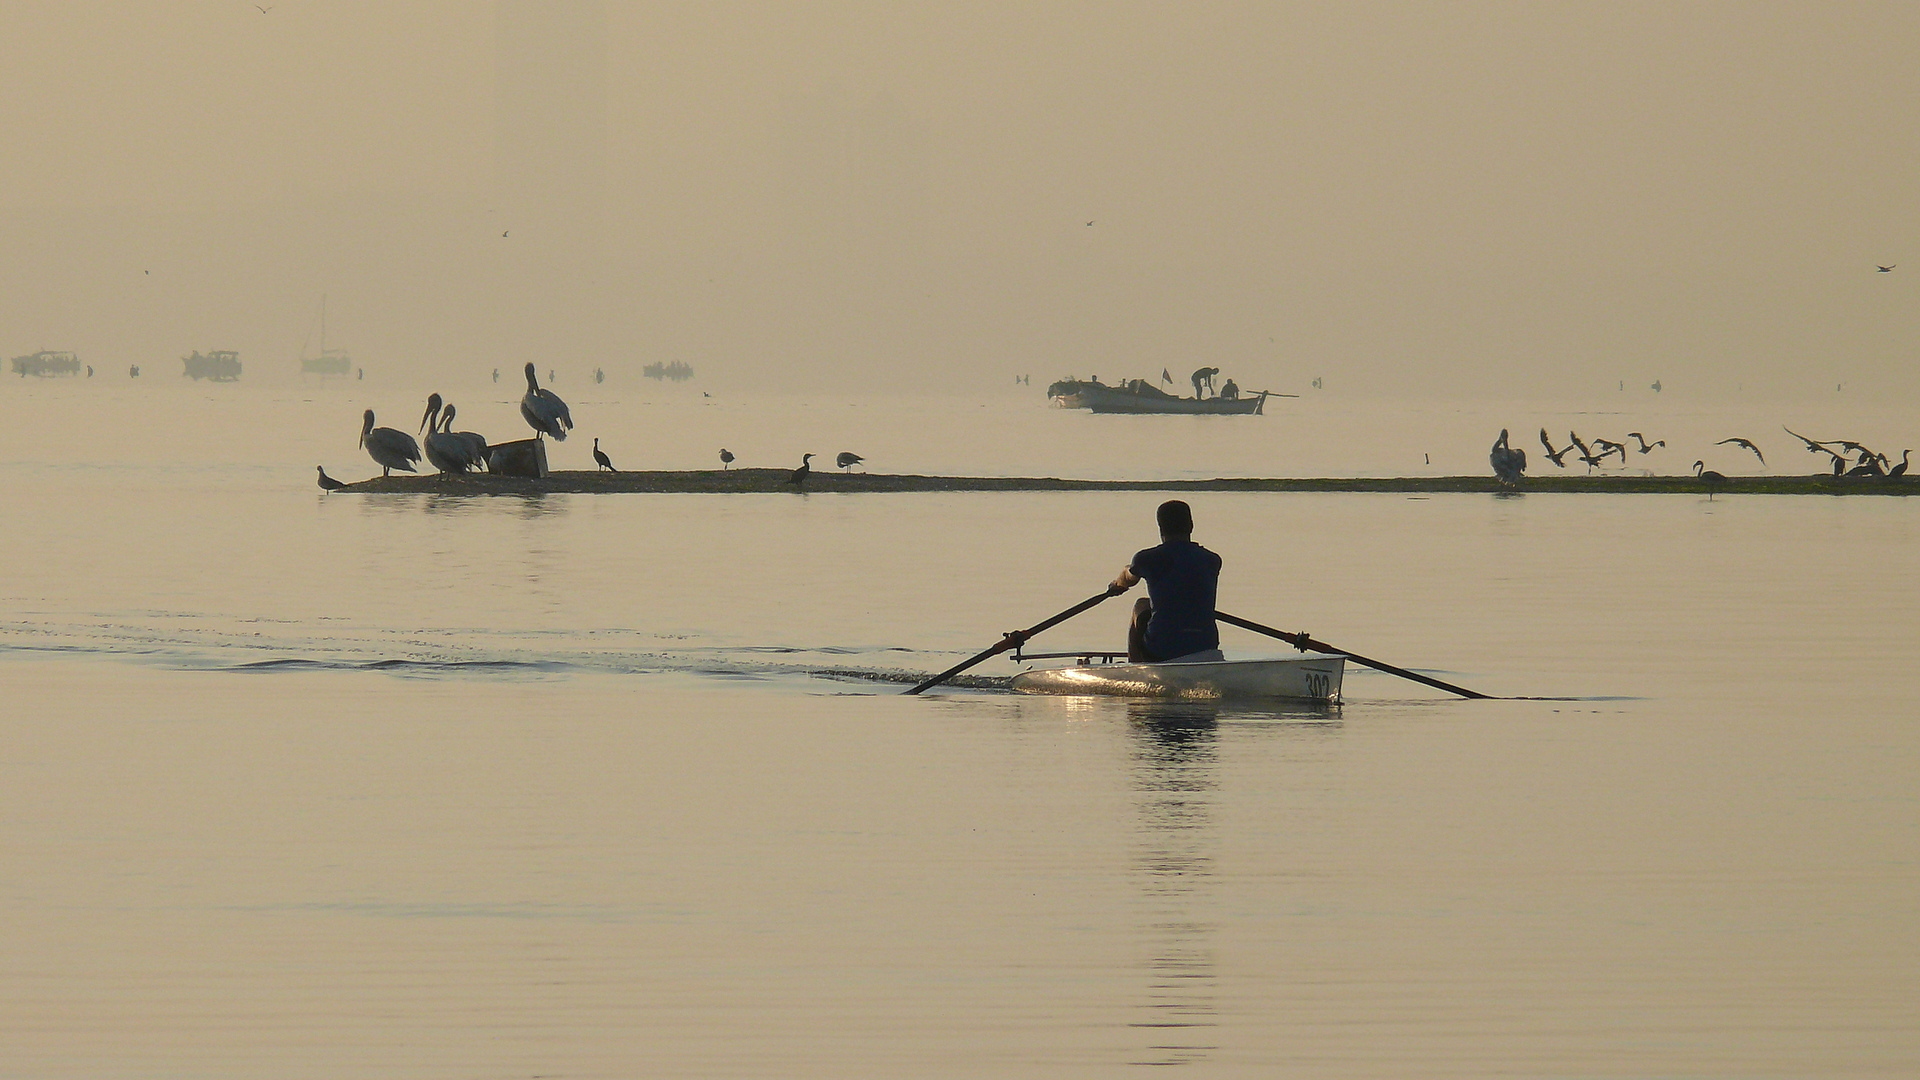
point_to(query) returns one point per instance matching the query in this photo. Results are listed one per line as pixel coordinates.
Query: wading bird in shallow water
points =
(800, 474)
(601, 459)
(1644, 444)
(328, 483)
(726, 457)
(848, 459)
(1747, 445)
(1712, 479)
(543, 410)
(389, 449)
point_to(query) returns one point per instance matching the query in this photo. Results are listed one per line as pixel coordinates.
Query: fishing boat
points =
(1144, 398)
(220, 365)
(1206, 676)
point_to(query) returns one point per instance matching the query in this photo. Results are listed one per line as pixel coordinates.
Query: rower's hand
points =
(1125, 581)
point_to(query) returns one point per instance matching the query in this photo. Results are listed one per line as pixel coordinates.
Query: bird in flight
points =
(1089, 224)
(1883, 269)
(505, 233)
(263, 10)
(1747, 445)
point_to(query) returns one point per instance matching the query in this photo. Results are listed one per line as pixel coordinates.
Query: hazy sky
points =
(1475, 198)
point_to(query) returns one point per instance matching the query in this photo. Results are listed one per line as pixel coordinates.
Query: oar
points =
(1304, 643)
(1016, 638)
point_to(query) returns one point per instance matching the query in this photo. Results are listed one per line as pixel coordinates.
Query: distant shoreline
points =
(749, 481)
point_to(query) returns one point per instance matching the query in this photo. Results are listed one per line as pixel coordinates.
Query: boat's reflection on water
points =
(1176, 766)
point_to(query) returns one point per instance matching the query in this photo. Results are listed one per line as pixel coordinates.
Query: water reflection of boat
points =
(1306, 677)
(46, 363)
(220, 365)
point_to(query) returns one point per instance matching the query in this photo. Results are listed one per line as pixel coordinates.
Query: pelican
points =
(800, 474)
(1644, 444)
(543, 410)
(1748, 445)
(389, 449)
(1508, 462)
(726, 457)
(328, 483)
(1552, 454)
(473, 438)
(1712, 479)
(600, 458)
(1900, 469)
(848, 459)
(446, 451)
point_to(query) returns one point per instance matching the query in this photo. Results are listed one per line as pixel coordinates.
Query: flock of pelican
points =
(453, 452)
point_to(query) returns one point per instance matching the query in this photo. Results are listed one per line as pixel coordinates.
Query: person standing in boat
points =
(1175, 618)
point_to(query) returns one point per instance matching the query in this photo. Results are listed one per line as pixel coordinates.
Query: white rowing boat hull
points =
(1306, 677)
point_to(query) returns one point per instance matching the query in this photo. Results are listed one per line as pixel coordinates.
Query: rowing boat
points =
(1204, 676)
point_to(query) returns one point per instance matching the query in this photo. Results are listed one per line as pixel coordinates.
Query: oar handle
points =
(1016, 638)
(1303, 642)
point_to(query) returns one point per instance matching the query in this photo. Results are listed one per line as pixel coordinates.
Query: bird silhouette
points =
(1586, 453)
(600, 458)
(1608, 446)
(1509, 462)
(1552, 454)
(1746, 444)
(1812, 446)
(1900, 469)
(263, 10)
(726, 457)
(800, 474)
(543, 410)
(389, 448)
(1886, 269)
(1712, 479)
(848, 459)
(328, 483)
(1644, 444)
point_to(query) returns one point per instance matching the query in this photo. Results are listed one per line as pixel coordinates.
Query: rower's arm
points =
(1127, 579)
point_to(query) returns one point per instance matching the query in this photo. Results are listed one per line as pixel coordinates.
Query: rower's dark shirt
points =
(1182, 578)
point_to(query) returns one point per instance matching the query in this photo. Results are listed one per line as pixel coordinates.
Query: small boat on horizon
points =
(1141, 397)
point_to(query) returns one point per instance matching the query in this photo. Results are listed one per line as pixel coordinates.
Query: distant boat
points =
(46, 363)
(220, 365)
(676, 371)
(1142, 397)
(330, 361)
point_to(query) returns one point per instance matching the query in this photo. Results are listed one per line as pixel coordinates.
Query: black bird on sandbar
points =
(800, 474)
(601, 459)
(1869, 466)
(328, 483)
(1644, 444)
(1748, 445)
(726, 457)
(1900, 469)
(848, 459)
(1552, 454)
(1712, 479)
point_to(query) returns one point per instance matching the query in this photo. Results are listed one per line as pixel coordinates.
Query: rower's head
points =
(1176, 520)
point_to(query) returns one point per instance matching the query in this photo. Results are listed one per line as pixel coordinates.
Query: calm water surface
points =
(418, 786)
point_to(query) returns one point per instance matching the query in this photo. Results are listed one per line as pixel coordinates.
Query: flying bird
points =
(1747, 445)
(800, 474)
(328, 483)
(390, 449)
(1586, 454)
(726, 457)
(1886, 269)
(263, 10)
(1812, 446)
(600, 458)
(1552, 454)
(543, 410)
(848, 459)
(1644, 444)
(1608, 446)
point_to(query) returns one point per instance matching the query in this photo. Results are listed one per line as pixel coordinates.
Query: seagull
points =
(543, 410)
(263, 10)
(1552, 454)
(848, 459)
(726, 457)
(1886, 269)
(1748, 445)
(800, 474)
(1644, 444)
(389, 449)
(601, 459)
(1712, 479)
(328, 483)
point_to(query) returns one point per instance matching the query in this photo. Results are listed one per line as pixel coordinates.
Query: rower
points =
(1175, 618)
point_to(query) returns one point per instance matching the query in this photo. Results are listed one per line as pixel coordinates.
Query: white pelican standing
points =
(446, 451)
(543, 410)
(390, 449)
(473, 438)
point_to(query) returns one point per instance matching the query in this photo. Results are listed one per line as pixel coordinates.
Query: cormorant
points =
(1900, 469)
(1644, 444)
(1748, 445)
(1552, 454)
(800, 474)
(601, 459)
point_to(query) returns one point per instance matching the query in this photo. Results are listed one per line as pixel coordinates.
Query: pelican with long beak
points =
(543, 410)
(446, 451)
(389, 448)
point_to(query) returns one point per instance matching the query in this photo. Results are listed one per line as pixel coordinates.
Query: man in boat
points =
(1230, 391)
(1203, 376)
(1175, 618)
